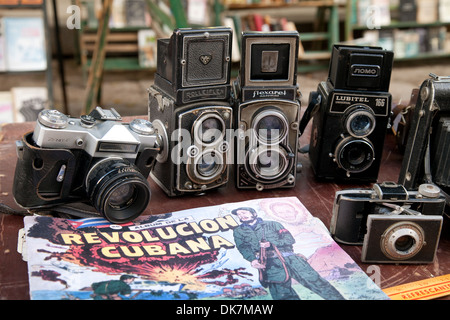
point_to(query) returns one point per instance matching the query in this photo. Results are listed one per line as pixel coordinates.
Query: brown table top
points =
(317, 197)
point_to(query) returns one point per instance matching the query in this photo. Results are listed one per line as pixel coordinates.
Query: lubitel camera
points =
(190, 102)
(267, 111)
(350, 113)
(426, 156)
(95, 159)
(393, 225)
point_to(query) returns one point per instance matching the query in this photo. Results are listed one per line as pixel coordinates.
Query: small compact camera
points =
(190, 100)
(393, 225)
(351, 112)
(426, 156)
(267, 111)
(95, 159)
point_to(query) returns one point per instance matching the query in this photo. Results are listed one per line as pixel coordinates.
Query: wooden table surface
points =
(317, 197)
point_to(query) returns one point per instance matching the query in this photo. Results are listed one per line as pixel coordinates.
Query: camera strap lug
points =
(314, 100)
(439, 78)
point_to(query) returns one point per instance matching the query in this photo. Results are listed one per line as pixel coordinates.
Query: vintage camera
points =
(190, 99)
(393, 225)
(426, 157)
(267, 110)
(351, 113)
(95, 159)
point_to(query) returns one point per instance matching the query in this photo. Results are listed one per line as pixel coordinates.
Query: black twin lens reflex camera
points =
(393, 225)
(267, 111)
(351, 115)
(190, 103)
(95, 159)
(426, 157)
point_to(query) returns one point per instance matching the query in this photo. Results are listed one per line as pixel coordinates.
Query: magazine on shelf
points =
(2, 49)
(147, 48)
(270, 248)
(24, 42)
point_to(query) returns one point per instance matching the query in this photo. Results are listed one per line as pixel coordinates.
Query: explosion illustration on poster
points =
(202, 253)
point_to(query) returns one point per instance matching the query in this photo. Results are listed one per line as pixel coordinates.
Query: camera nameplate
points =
(341, 102)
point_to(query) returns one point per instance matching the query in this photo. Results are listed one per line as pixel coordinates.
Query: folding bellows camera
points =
(427, 156)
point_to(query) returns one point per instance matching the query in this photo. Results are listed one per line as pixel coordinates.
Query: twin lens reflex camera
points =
(267, 111)
(190, 101)
(351, 114)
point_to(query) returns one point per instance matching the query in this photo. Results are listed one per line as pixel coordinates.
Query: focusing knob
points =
(53, 119)
(429, 190)
(143, 127)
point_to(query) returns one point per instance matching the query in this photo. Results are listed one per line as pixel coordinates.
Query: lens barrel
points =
(402, 240)
(360, 122)
(354, 155)
(270, 126)
(118, 190)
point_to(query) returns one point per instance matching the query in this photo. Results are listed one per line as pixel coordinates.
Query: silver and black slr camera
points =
(393, 225)
(267, 110)
(351, 113)
(190, 100)
(427, 158)
(95, 158)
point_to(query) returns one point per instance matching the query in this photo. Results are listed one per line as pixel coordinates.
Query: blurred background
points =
(72, 55)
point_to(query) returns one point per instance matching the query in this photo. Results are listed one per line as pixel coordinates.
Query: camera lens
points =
(209, 129)
(402, 240)
(206, 168)
(354, 155)
(360, 123)
(117, 190)
(269, 163)
(207, 165)
(122, 196)
(270, 126)
(404, 243)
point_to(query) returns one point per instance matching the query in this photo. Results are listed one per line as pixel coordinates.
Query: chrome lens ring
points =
(354, 155)
(268, 164)
(360, 122)
(402, 240)
(205, 168)
(266, 122)
(209, 129)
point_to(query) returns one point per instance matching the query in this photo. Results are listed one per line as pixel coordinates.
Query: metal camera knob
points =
(429, 190)
(53, 119)
(141, 126)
